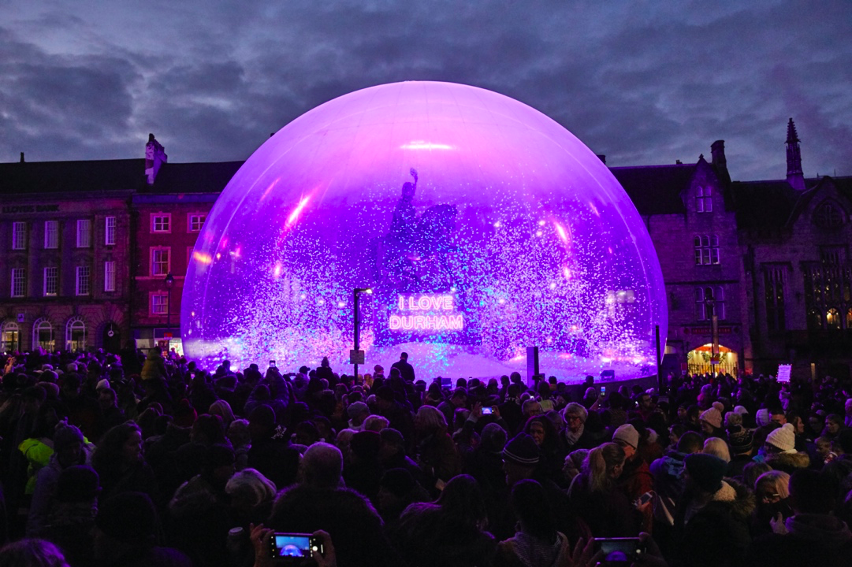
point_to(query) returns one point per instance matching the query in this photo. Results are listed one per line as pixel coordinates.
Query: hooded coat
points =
(788, 462)
(812, 539)
(716, 534)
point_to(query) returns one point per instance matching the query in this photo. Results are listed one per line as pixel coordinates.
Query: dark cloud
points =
(644, 82)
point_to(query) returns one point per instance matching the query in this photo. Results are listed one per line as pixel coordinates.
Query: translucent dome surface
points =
(482, 226)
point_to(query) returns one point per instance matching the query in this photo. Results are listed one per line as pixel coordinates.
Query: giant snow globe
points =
(480, 227)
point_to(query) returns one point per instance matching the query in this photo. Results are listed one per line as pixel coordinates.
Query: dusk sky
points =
(644, 82)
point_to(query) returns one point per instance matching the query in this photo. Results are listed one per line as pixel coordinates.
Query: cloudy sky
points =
(644, 82)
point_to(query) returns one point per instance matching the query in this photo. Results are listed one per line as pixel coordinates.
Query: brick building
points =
(64, 253)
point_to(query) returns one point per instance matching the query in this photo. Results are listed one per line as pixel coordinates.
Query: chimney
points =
(155, 157)
(717, 151)
(795, 177)
(22, 157)
(602, 157)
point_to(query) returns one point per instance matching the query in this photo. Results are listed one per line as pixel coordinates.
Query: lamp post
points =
(170, 280)
(356, 319)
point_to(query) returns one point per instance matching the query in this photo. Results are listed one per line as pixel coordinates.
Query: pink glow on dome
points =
(424, 189)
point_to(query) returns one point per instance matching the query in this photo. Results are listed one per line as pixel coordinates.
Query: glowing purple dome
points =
(481, 225)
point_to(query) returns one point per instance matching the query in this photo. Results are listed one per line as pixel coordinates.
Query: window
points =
(83, 280)
(51, 234)
(84, 233)
(43, 334)
(109, 276)
(704, 200)
(160, 261)
(19, 236)
(161, 222)
(159, 304)
(109, 231)
(19, 282)
(832, 319)
(706, 249)
(832, 254)
(196, 221)
(51, 281)
(774, 280)
(828, 215)
(75, 335)
(9, 338)
(709, 301)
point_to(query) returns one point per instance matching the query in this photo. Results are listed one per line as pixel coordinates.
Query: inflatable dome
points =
(480, 226)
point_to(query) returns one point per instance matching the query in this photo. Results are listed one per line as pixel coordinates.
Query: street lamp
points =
(356, 354)
(170, 280)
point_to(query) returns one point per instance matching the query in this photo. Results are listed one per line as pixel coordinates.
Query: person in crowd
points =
(251, 496)
(31, 553)
(551, 457)
(711, 525)
(781, 451)
(120, 465)
(669, 475)
(812, 535)
(397, 491)
(357, 412)
(740, 442)
(718, 448)
(450, 531)
(635, 478)
(127, 533)
(711, 424)
(405, 368)
(536, 541)
(319, 502)
(773, 504)
(575, 435)
(437, 455)
(596, 498)
(274, 457)
(457, 400)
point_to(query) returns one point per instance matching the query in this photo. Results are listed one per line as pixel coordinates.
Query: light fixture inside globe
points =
(480, 225)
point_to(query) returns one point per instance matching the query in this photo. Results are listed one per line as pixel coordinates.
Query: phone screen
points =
(272, 363)
(620, 549)
(289, 545)
(487, 411)
(603, 391)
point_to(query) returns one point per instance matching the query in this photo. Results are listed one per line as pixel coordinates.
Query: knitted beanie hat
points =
(706, 470)
(762, 417)
(740, 439)
(713, 417)
(521, 450)
(627, 434)
(784, 438)
(65, 435)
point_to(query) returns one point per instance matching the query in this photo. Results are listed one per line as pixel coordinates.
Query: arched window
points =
(814, 320)
(9, 337)
(719, 305)
(832, 318)
(43, 335)
(75, 335)
(828, 215)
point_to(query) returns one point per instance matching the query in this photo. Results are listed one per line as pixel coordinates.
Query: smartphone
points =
(603, 391)
(645, 498)
(272, 364)
(487, 410)
(295, 546)
(620, 550)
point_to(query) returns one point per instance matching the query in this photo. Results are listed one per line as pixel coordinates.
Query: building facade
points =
(757, 273)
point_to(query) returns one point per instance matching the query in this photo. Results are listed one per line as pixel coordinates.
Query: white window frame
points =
(158, 304)
(40, 325)
(19, 282)
(706, 248)
(51, 234)
(192, 220)
(161, 223)
(50, 273)
(19, 235)
(84, 233)
(69, 330)
(155, 250)
(109, 275)
(83, 280)
(109, 231)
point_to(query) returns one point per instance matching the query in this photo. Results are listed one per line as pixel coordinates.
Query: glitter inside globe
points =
(481, 227)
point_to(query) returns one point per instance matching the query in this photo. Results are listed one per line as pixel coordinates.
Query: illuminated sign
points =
(426, 313)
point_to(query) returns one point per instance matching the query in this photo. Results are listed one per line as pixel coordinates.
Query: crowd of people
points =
(179, 466)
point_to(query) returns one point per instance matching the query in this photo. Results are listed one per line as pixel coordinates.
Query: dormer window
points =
(704, 200)
(828, 215)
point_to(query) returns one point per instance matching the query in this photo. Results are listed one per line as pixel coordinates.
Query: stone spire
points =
(717, 151)
(795, 177)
